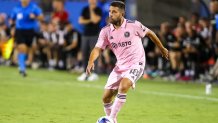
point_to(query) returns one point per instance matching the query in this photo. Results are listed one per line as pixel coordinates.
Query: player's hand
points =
(90, 67)
(32, 16)
(165, 53)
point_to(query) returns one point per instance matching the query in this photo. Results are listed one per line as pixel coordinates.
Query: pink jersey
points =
(125, 42)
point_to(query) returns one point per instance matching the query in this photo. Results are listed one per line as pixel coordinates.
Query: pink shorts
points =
(133, 74)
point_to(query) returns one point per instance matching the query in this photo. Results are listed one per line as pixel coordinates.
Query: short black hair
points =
(118, 4)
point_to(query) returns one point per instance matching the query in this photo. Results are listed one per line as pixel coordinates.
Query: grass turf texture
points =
(56, 97)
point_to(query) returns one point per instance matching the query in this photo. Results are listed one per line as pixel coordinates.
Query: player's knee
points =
(124, 85)
(106, 99)
(124, 88)
(22, 48)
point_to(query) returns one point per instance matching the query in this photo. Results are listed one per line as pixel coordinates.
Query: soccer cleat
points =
(93, 77)
(82, 77)
(22, 73)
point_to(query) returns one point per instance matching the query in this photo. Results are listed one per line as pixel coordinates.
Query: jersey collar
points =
(122, 26)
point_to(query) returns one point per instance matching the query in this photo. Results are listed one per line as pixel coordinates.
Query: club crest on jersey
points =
(127, 34)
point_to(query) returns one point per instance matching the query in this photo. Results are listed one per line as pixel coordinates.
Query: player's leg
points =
(22, 54)
(30, 55)
(21, 50)
(25, 39)
(129, 79)
(113, 84)
(108, 100)
(30, 45)
(85, 57)
(120, 99)
(172, 56)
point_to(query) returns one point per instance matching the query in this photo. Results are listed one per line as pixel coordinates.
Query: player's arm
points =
(82, 20)
(40, 17)
(93, 56)
(11, 22)
(101, 44)
(37, 14)
(13, 17)
(95, 17)
(142, 31)
(158, 43)
(74, 43)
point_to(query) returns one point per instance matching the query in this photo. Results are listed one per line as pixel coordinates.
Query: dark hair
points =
(62, 1)
(118, 4)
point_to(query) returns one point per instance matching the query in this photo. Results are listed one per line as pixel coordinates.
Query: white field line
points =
(186, 96)
(157, 93)
(90, 85)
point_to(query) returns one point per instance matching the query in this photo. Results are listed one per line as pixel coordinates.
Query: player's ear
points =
(123, 13)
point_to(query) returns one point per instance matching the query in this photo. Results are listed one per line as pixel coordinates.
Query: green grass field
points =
(56, 97)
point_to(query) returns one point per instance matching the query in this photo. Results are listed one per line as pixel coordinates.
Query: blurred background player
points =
(90, 19)
(42, 48)
(124, 39)
(71, 47)
(60, 15)
(25, 16)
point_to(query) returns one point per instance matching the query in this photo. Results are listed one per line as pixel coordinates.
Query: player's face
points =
(188, 27)
(25, 1)
(93, 2)
(213, 7)
(115, 15)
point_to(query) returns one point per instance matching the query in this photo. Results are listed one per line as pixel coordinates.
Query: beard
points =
(116, 22)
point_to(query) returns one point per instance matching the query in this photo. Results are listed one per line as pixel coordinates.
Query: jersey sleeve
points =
(13, 14)
(141, 30)
(102, 40)
(37, 11)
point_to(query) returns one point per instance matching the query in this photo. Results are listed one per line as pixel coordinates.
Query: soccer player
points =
(25, 16)
(123, 37)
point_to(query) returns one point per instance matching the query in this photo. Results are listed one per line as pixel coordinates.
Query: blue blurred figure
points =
(25, 16)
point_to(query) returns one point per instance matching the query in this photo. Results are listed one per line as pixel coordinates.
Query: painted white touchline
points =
(88, 85)
(164, 94)
(180, 95)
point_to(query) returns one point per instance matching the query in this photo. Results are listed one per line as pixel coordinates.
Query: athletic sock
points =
(107, 108)
(21, 62)
(118, 103)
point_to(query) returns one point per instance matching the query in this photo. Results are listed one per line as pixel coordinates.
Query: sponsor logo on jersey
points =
(121, 44)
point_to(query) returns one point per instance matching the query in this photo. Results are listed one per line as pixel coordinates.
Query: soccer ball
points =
(105, 119)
